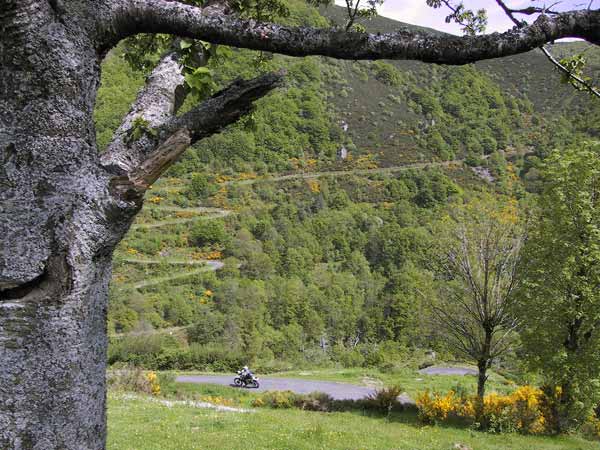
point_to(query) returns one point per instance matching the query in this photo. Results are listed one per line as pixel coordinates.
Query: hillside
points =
(300, 235)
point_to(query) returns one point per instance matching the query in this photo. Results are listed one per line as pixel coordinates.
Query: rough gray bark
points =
(164, 16)
(61, 214)
(156, 104)
(56, 244)
(63, 209)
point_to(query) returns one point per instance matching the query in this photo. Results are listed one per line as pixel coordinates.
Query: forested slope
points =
(330, 268)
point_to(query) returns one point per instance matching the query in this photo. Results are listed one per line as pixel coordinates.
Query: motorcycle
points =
(251, 382)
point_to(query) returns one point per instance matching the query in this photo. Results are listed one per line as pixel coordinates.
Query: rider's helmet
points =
(245, 367)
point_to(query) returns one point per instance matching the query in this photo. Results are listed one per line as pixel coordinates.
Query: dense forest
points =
(305, 234)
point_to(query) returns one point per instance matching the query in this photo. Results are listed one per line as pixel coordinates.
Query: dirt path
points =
(209, 266)
(173, 261)
(335, 173)
(205, 265)
(204, 213)
(339, 391)
(338, 173)
(208, 213)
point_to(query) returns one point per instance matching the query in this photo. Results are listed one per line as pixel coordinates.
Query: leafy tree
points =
(387, 74)
(559, 301)
(200, 186)
(207, 232)
(208, 328)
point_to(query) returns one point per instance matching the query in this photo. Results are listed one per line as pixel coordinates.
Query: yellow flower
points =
(314, 186)
(153, 382)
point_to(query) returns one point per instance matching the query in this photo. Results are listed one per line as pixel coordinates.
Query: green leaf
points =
(185, 44)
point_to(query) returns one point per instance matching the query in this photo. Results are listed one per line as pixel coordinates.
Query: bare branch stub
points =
(175, 136)
(164, 156)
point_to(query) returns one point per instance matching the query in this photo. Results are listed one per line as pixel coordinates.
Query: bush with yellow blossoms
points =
(153, 383)
(526, 410)
(435, 408)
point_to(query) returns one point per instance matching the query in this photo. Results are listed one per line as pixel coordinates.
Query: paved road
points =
(438, 370)
(339, 391)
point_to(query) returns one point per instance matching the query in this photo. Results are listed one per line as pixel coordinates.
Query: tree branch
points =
(175, 136)
(520, 24)
(226, 106)
(584, 84)
(162, 16)
(155, 105)
(509, 12)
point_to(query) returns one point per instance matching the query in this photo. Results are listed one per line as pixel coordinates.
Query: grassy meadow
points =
(142, 423)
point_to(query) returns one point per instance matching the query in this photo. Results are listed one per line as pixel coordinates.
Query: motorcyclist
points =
(246, 373)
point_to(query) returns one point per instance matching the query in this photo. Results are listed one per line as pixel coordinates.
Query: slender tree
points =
(477, 254)
(64, 207)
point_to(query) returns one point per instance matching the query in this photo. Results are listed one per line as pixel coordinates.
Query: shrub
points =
(386, 73)
(349, 358)
(527, 410)
(206, 232)
(276, 399)
(153, 383)
(133, 379)
(385, 399)
(435, 408)
(200, 187)
(140, 350)
(591, 428)
(315, 401)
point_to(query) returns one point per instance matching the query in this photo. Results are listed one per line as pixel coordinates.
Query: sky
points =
(418, 13)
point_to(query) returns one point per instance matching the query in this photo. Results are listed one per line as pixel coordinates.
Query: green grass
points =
(240, 397)
(141, 424)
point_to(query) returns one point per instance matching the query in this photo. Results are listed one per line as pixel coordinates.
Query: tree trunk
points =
(53, 353)
(63, 211)
(482, 366)
(59, 225)
(484, 362)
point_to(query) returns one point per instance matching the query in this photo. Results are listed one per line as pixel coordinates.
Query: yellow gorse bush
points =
(314, 186)
(222, 178)
(526, 410)
(211, 255)
(153, 382)
(246, 176)
(434, 408)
